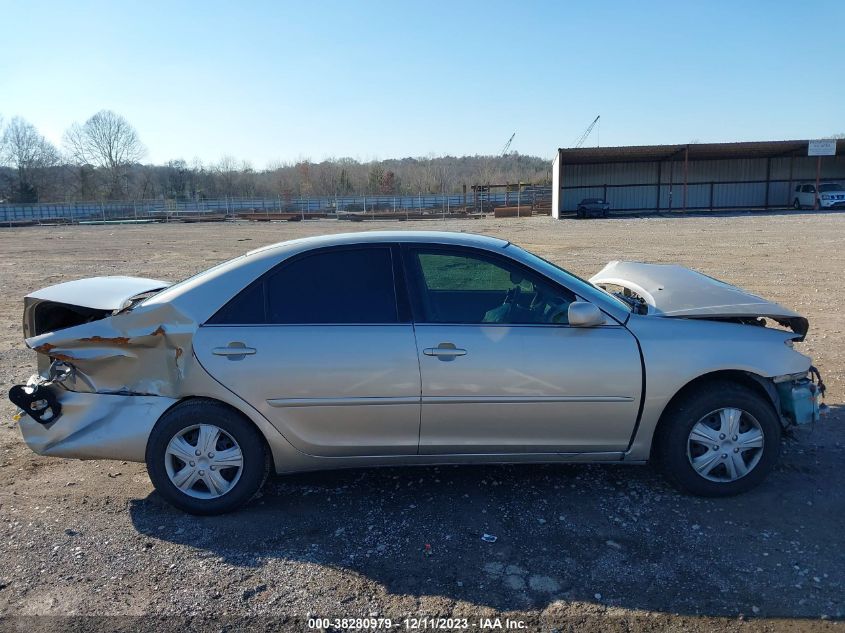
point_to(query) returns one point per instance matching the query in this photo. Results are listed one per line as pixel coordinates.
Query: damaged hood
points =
(674, 291)
(98, 293)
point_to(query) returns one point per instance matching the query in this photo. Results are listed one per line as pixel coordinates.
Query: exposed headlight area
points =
(801, 396)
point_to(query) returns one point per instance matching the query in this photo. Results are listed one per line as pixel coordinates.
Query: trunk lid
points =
(81, 301)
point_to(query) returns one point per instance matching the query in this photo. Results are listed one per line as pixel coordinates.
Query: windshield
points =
(541, 264)
(831, 186)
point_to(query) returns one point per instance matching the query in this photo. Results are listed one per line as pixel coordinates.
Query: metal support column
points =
(768, 178)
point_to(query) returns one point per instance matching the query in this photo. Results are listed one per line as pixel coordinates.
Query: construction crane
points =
(586, 133)
(507, 145)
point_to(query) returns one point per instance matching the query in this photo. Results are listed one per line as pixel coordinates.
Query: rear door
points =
(503, 372)
(808, 195)
(324, 350)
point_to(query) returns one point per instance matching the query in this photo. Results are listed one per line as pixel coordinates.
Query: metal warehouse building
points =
(755, 175)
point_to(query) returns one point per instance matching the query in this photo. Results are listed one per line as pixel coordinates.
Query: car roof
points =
(375, 237)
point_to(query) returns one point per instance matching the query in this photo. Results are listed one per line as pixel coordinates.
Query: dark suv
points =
(589, 207)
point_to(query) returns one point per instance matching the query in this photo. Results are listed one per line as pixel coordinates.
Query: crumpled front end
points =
(669, 290)
(801, 397)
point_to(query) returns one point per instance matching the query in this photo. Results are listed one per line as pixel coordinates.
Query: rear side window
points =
(246, 308)
(338, 286)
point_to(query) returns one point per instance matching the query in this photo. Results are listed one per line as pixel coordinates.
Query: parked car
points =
(391, 348)
(831, 194)
(592, 207)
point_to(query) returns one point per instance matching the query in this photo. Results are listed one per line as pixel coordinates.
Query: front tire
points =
(719, 440)
(205, 458)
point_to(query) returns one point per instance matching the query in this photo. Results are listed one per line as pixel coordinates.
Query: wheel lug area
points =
(736, 450)
(721, 437)
(716, 447)
(201, 473)
(212, 467)
(724, 456)
(198, 452)
(734, 438)
(211, 455)
(192, 464)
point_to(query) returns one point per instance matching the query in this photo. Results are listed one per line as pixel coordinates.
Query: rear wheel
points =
(719, 440)
(796, 204)
(205, 458)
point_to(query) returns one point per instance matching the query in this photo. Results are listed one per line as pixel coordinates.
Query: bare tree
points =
(226, 171)
(28, 153)
(109, 142)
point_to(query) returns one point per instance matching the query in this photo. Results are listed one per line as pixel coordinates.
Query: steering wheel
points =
(548, 308)
(558, 314)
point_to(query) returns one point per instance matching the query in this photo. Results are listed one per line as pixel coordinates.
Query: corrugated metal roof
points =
(697, 151)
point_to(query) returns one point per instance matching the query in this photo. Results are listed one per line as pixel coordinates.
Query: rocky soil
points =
(577, 547)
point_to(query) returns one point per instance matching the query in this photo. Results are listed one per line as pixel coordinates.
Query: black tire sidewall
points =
(671, 447)
(190, 413)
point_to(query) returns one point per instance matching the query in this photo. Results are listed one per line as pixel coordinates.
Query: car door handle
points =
(445, 351)
(235, 351)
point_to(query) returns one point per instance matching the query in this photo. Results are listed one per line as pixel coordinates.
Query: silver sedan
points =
(411, 348)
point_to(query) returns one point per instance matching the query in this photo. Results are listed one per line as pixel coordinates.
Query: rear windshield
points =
(170, 291)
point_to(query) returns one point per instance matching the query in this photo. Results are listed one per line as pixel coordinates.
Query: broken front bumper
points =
(88, 425)
(801, 397)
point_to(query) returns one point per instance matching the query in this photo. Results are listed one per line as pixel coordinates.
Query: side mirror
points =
(583, 314)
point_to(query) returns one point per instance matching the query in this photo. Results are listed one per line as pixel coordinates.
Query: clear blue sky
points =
(266, 81)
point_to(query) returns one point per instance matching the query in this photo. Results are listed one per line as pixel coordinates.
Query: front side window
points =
(348, 286)
(459, 286)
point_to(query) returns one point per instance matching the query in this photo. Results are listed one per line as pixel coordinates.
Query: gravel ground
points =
(578, 547)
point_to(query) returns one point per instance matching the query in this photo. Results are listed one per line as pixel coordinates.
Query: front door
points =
(321, 348)
(503, 372)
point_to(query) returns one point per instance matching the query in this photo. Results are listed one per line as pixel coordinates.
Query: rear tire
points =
(796, 204)
(229, 470)
(698, 454)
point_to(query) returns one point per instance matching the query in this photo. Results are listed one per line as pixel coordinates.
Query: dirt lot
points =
(579, 547)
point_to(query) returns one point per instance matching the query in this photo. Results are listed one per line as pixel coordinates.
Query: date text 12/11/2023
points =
(417, 624)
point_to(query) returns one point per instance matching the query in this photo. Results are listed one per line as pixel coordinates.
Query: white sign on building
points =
(822, 147)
